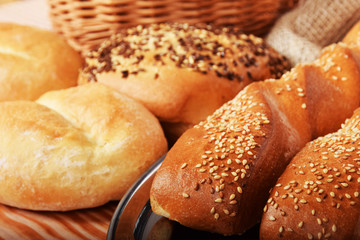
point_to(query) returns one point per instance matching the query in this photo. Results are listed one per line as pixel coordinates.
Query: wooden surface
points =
(81, 224)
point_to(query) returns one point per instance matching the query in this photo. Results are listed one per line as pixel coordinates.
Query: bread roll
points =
(181, 73)
(218, 175)
(75, 148)
(317, 197)
(34, 61)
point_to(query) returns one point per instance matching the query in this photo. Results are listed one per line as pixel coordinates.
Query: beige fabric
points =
(26, 12)
(302, 33)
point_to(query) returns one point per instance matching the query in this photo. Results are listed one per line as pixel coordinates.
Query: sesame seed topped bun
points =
(181, 72)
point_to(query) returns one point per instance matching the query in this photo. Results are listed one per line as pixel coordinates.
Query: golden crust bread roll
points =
(34, 61)
(75, 148)
(317, 196)
(180, 72)
(218, 175)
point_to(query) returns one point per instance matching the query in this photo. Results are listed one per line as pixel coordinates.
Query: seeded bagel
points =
(180, 72)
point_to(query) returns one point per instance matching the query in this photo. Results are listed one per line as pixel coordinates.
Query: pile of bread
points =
(77, 131)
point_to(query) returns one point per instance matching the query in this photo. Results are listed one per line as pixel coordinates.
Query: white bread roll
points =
(74, 148)
(34, 61)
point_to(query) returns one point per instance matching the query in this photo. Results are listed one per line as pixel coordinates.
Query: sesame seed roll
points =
(317, 196)
(181, 73)
(227, 164)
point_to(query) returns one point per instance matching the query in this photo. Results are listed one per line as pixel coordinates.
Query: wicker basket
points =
(86, 23)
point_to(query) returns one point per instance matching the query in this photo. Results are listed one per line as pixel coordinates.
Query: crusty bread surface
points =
(317, 196)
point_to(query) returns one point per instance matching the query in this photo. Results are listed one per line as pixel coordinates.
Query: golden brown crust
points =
(75, 148)
(317, 196)
(248, 142)
(182, 73)
(34, 61)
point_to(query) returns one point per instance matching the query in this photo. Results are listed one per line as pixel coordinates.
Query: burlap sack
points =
(302, 33)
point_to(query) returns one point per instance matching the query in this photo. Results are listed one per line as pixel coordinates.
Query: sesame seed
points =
(183, 166)
(272, 218)
(232, 196)
(313, 212)
(318, 199)
(296, 207)
(356, 194)
(332, 194)
(319, 235)
(310, 236)
(344, 184)
(218, 200)
(239, 189)
(303, 106)
(265, 208)
(216, 216)
(185, 195)
(226, 212)
(327, 235)
(319, 221)
(281, 229)
(212, 211)
(347, 195)
(233, 202)
(352, 203)
(301, 224)
(233, 214)
(333, 228)
(303, 201)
